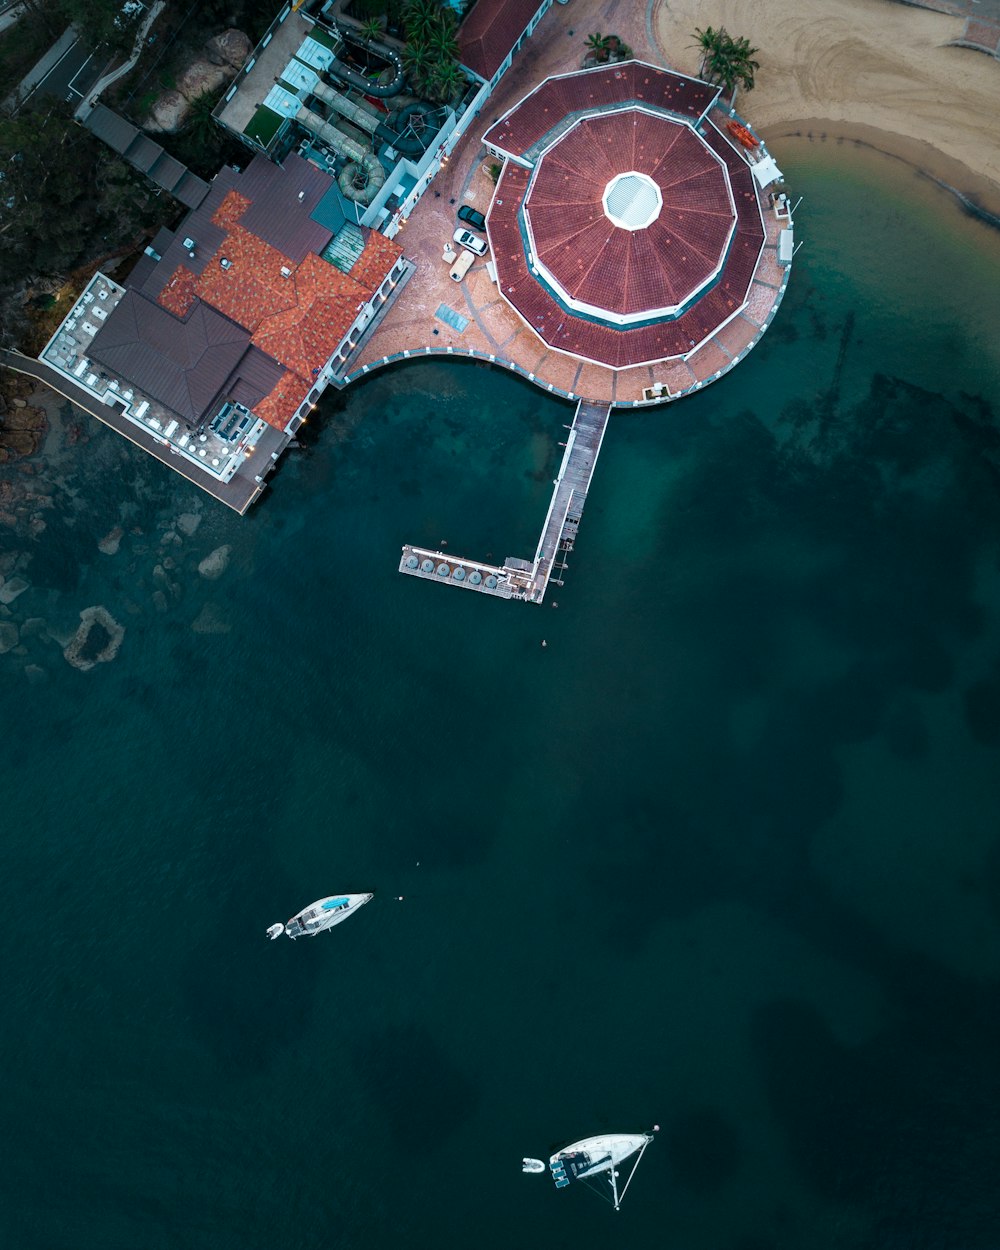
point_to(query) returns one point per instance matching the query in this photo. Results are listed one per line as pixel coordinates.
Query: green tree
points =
(110, 24)
(726, 61)
(443, 45)
(371, 29)
(420, 19)
(445, 82)
(598, 45)
(418, 62)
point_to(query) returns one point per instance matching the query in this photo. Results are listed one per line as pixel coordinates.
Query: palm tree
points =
(418, 61)
(421, 18)
(707, 41)
(442, 42)
(371, 29)
(726, 61)
(446, 81)
(598, 46)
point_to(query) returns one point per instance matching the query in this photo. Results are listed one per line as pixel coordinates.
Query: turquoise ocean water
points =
(724, 856)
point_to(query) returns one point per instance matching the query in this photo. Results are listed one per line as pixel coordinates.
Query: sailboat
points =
(320, 916)
(594, 1161)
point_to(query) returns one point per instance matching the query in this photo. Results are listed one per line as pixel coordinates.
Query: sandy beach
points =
(872, 70)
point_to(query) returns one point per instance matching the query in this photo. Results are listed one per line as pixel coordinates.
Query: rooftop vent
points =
(285, 271)
(226, 263)
(189, 246)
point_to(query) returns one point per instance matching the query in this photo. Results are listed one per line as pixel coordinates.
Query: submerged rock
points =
(9, 636)
(11, 588)
(96, 641)
(35, 627)
(111, 541)
(188, 522)
(210, 621)
(215, 563)
(35, 674)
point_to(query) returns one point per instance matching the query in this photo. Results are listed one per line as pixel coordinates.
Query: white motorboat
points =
(320, 916)
(595, 1161)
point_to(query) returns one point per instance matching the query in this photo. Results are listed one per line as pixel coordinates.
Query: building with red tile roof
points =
(626, 227)
(284, 303)
(492, 32)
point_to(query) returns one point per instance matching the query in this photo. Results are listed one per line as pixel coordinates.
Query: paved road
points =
(58, 81)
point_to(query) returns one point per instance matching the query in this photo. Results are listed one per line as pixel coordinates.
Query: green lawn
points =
(264, 125)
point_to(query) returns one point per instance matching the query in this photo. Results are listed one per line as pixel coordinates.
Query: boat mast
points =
(642, 1151)
(614, 1184)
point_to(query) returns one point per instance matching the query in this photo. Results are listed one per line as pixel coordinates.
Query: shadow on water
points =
(783, 526)
(896, 1126)
(704, 1149)
(420, 1092)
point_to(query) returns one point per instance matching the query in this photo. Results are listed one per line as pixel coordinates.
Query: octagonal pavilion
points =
(626, 226)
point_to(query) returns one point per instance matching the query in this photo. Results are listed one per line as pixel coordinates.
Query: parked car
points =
(472, 217)
(462, 265)
(467, 239)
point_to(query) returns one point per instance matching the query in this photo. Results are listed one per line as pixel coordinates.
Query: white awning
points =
(766, 172)
(786, 247)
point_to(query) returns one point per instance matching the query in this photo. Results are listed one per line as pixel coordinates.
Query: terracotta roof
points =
(285, 307)
(490, 31)
(375, 261)
(230, 210)
(632, 82)
(280, 406)
(179, 295)
(304, 337)
(628, 272)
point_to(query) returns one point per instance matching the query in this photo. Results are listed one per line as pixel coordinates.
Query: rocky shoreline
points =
(62, 523)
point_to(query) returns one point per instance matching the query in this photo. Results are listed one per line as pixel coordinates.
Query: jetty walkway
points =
(528, 580)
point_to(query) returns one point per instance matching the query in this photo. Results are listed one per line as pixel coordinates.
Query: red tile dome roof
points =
(673, 249)
(622, 270)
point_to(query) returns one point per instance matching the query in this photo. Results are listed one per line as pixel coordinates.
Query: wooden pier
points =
(528, 580)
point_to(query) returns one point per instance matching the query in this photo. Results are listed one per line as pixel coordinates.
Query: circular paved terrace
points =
(629, 216)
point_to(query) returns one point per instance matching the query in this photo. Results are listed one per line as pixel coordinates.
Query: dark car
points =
(471, 217)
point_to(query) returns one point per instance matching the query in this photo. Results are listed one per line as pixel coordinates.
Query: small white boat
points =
(595, 1160)
(320, 916)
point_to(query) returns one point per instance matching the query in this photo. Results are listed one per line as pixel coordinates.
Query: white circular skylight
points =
(632, 201)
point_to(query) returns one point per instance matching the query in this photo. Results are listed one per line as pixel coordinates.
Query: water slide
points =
(363, 177)
(362, 83)
(405, 130)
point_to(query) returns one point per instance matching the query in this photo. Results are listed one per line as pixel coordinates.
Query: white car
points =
(467, 239)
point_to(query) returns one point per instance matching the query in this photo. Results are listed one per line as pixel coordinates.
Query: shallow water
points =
(722, 856)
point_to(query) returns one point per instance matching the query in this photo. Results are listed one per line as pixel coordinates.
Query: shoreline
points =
(974, 195)
(877, 72)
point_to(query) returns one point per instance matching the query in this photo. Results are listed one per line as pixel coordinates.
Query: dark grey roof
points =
(182, 364)
(143, 152)
(207, 236)
(256, 376)
(161, 241)
(276, 214)
(191, 189)
(141, 270)
(115, 131)
(166, 172)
